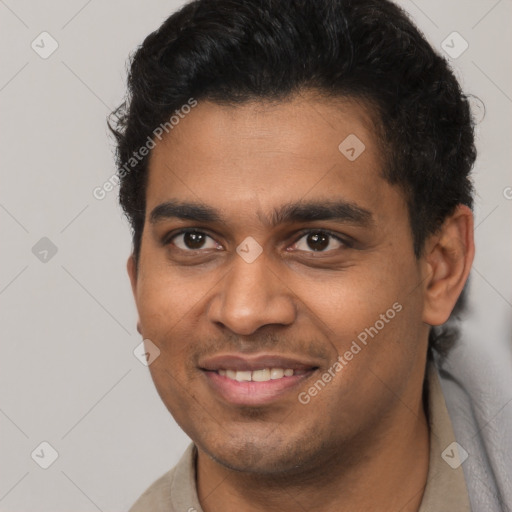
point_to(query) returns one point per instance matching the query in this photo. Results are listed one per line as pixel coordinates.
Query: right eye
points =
(192, 240)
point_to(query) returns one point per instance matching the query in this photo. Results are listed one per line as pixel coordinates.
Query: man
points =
(296, 175)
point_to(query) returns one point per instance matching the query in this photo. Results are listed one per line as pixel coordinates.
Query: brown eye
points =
(193, 240)
(318, 241)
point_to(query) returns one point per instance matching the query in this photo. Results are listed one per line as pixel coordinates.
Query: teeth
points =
(276, 373)
(263, 375)
(241, 376)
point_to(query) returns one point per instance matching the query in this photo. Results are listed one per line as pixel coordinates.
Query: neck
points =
(387, 469)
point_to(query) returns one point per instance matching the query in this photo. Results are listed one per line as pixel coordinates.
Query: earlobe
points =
(448, 258)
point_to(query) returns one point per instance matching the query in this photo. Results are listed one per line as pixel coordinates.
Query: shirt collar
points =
(445, 488)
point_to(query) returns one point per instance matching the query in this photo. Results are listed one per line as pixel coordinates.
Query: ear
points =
(448, 257)
(131, 267)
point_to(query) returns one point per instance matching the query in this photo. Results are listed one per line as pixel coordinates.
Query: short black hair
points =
(231, 52)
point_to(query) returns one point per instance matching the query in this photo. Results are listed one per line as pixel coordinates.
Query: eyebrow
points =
(339, 210)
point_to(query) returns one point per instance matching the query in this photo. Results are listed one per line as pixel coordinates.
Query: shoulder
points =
(175, 491)
(157, 497)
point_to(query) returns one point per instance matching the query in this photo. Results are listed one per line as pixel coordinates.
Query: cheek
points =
(371, 320)
(378, 303)
(164, 298)
(166, 309)
(353, 299)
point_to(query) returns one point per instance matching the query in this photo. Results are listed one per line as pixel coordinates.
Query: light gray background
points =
(68, 375)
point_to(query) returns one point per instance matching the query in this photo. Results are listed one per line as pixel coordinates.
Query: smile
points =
(257, 387)
(263, 375)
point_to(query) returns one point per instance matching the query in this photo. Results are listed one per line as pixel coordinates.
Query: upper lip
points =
(245, 363)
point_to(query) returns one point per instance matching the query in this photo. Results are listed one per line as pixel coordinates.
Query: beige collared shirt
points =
(445, 489)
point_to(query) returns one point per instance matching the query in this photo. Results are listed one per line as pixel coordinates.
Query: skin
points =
(362, 440)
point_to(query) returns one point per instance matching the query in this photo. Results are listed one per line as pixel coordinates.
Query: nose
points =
(250, 296)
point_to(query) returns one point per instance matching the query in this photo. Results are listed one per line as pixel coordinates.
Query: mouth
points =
(256, 381)
(261, 375)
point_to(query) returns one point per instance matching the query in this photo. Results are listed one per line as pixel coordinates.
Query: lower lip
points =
(253, 393)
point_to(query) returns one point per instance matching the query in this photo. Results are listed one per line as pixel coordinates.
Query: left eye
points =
(193, 240)
(318, 241)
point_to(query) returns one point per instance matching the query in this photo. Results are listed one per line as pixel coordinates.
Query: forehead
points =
(259, 155)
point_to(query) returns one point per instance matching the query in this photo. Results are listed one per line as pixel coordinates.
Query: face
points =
(278, 280)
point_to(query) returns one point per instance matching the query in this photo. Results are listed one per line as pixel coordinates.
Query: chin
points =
(262, 458)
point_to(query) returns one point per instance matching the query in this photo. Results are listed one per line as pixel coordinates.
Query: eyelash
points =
(347, 243)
